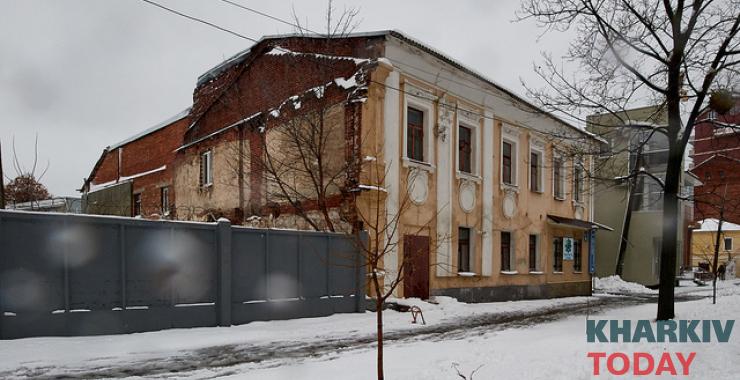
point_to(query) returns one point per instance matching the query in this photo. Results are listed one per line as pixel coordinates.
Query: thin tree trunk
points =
(628, 214)
(379, 318)
(716, 247)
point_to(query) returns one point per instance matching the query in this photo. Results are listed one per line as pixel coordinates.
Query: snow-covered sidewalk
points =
(287, 345)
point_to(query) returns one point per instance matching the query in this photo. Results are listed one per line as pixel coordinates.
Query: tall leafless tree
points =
(632, 51)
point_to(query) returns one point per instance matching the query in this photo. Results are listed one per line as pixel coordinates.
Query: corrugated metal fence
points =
(83, 275)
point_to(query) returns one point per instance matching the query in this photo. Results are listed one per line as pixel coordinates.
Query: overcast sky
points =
(84, 74)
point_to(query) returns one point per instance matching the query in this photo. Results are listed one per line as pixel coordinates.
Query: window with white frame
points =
(534, 253)
(536, 168)
(418, 134)
(415, 134)
(578, 181)
(206, 168)
(467, 149)
(728, 244)
(558, 177)
(508, 162)
(464, 248)
(507, 252)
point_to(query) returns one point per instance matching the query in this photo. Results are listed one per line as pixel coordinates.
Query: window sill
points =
(537, 191)
(469, 176)
(559, 199)
(509, 187)
(509, 272)
(467, 274)
(536, 272)
(409, 163)
(578, 203)
(578, 272)
(556, 272)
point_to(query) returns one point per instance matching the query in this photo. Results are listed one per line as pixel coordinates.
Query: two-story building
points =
(483, 188)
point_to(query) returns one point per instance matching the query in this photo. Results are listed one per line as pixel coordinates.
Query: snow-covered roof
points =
(152, 129)
(711, 224)
(241, 56)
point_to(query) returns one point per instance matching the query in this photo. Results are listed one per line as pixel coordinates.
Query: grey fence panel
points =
(282, 266)
(84, 275)
(314, 264)
(249, 264)
(90, 254)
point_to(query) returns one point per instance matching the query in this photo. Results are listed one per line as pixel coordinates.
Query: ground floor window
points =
(463, 249)
(137, 204)
(577, 256)
(557, 249)
(534, 254)
(506, 251)
(164, 196)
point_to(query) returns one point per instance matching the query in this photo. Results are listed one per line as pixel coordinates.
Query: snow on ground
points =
(615, 285)
(553, 350)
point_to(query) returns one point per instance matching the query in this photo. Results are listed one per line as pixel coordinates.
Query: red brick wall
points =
(147, 153)
(718, 173)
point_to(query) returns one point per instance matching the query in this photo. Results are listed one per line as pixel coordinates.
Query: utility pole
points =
(2, 179)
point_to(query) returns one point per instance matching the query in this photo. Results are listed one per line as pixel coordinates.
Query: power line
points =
(449, 107)
(193, 18)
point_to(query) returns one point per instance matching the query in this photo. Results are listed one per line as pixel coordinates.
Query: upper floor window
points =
(535, 171)
(508, 157)
(728, 244)
(578, 181)
(206, 168)
(465, 149)
(558, 179)
(415, 134)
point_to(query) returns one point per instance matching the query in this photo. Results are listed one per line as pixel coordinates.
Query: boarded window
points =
(415, 134)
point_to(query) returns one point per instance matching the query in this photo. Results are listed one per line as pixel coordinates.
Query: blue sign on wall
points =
(592, 251)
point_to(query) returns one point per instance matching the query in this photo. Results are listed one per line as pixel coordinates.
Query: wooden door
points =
(416, 260)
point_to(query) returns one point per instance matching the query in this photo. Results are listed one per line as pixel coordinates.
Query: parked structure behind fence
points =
(84, 275)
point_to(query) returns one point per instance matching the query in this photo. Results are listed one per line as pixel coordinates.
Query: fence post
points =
(360, 273)
(223, 298)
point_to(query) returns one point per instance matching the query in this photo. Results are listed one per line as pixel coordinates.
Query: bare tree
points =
(630, 51)
(25, 186)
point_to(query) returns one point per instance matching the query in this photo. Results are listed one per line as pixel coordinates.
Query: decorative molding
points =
(537, 143)
(418, 92)
(508, 205)
(444, 119)
(418, 185)
(467, 196)
(511, 131)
